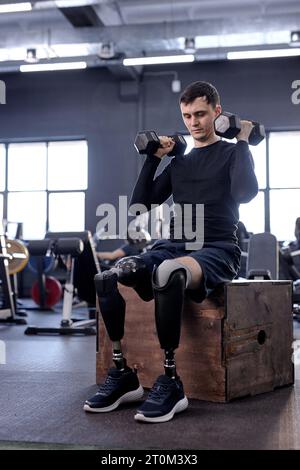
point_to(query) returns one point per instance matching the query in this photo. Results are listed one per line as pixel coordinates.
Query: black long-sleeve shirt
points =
(220, 176)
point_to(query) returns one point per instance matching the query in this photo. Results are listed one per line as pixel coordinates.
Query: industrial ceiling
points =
(104, 32)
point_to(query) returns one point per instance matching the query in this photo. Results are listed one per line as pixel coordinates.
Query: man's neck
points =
(212, 140)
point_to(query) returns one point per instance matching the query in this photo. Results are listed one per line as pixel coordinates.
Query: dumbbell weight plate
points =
(147, 142)
(227, 125)
(180, 145)
(258, 133)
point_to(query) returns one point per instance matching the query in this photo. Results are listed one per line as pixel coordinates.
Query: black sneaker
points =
(119, 387)
(165, 398)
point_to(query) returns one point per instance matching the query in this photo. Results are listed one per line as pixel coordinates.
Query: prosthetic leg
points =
(121, 384)
(130, 271)
(166, 397)
(169, 282)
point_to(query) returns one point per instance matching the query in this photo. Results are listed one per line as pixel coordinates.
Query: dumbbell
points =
(148, 142)
(228, 125)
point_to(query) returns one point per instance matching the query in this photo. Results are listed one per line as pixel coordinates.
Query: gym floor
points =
(47, 378)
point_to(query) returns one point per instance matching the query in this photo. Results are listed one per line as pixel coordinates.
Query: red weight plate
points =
(53, 292)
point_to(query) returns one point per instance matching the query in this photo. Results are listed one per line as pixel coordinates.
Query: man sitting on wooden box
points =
(217, 175)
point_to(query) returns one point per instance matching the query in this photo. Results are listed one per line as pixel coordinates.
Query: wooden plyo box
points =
(239, 345)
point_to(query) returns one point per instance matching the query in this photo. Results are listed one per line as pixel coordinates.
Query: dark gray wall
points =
(81, 104)
(257, 89)
(89, 104)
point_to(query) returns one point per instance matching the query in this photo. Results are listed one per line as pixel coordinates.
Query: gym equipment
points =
(288, 270)
(13, 230)
(147, 142)
(48, 264)
(85, 266)
(263, 257)
(53, 292)
(8, 310)
(17, 256)
(41, 259)
(228, 125)
(82, 265)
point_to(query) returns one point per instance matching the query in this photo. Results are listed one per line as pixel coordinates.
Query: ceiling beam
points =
(143, 35)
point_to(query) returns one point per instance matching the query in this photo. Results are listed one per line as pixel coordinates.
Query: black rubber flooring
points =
(47, 378)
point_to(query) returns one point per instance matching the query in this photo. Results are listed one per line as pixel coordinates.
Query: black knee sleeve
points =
(111, 303)
(168, 308)
(132, 272)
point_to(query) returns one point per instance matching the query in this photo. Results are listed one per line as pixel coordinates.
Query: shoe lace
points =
(109, 384)
(158, 391)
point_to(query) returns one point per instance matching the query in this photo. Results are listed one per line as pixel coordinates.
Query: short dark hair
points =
(198, 89)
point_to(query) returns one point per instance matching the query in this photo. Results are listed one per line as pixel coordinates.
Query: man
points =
(295, 245)
(220, 176)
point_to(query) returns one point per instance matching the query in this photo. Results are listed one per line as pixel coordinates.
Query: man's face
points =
(198, 118)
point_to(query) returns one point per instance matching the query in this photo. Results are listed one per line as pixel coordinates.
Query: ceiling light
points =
(53, 66)
(261, 54)
(73, 3)
(11, 8)
(295, 38)
(189, 45)
(168, 59)
(107, 51)
(31, 56)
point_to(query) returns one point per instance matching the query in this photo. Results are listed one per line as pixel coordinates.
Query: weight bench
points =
(236, 344)
(80, 254)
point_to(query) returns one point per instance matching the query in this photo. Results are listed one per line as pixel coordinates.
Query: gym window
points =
(253, 213)
(284, 183)
(45, 185)
(1, 206)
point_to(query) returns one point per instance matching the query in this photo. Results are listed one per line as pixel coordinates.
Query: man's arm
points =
(148, 190)
(244, 186)
(111, 255)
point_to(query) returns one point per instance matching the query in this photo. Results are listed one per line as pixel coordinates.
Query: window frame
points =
(5, 192)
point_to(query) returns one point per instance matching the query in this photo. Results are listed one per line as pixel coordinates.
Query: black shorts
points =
(219, 261)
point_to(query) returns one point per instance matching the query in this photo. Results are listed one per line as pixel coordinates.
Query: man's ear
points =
(218, 109)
